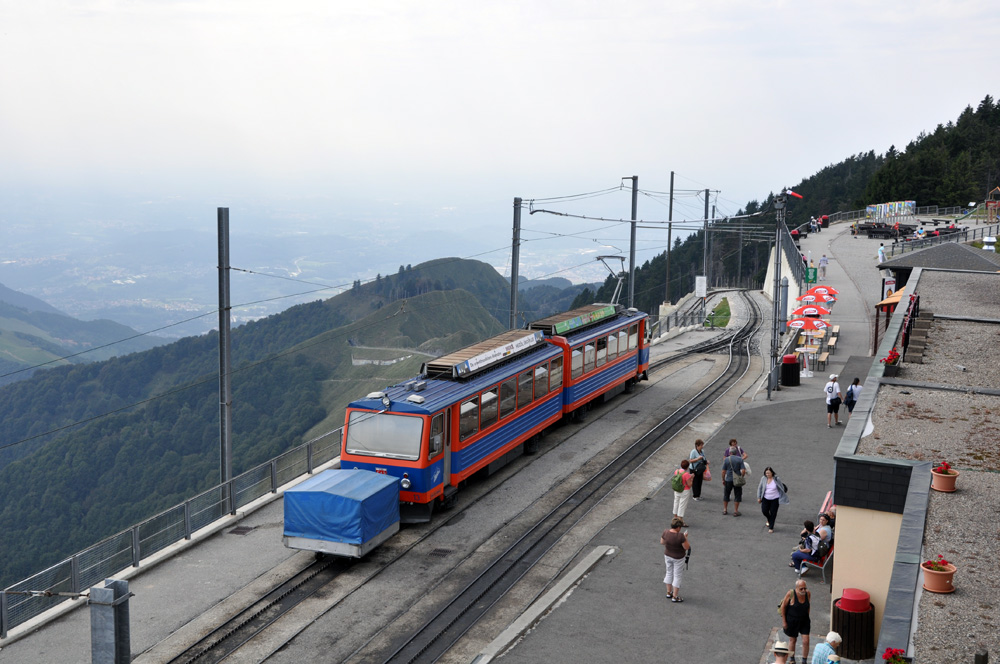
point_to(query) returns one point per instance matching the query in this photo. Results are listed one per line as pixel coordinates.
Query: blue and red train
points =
(475, 408)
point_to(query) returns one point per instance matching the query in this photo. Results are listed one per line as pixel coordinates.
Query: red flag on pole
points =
(792, 193)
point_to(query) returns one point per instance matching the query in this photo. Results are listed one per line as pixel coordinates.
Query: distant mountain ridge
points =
(33, 333)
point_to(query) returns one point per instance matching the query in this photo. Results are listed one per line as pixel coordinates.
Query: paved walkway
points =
(738, 572)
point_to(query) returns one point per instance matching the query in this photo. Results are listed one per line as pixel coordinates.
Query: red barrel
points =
(853, 617)
(789, 359)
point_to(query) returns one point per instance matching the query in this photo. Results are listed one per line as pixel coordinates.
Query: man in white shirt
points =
(833, 399)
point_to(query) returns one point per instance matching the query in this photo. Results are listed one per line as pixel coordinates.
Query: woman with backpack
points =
(853, 392)
(681, 484)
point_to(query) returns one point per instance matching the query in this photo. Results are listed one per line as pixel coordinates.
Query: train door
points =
(441, 435)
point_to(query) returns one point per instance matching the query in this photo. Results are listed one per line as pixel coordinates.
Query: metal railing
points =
(33, 596)
(967, 235)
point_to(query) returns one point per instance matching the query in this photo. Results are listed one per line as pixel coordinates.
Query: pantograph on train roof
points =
(483, 355)
(575, 319)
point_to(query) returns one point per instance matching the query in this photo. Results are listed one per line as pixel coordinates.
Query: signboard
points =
(888, 287)
(810, 275)
(701, 286)
(584, 319)
(496, 354)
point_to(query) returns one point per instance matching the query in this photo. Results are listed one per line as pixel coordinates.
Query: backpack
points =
(677, 481)
(822, 549)
(850, 395)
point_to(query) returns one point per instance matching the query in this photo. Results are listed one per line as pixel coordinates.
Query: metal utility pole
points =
(225, 357)
(631, 253)
(670, 232)
(711, 246)
(515, 257)
(779, 206)
(704, 258)
(739, 270)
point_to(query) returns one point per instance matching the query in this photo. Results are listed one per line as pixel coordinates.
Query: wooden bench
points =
(831, 345)
(821, 361)
(835, 330)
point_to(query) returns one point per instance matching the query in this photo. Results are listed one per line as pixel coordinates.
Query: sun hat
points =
(780, 647)
(833, 637)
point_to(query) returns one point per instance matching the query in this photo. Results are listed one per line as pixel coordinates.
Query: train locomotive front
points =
(467, 411)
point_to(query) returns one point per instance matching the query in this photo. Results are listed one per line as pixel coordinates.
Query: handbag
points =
(835, 402)
(738, 480)
(708, 475)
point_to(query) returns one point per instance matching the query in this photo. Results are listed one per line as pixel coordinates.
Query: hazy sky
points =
(441, 112)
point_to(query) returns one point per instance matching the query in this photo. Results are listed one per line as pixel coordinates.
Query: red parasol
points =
(807, 325)
(816, 298)
(822, 290)
(811, 310)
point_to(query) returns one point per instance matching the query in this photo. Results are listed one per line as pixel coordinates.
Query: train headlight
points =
(405, 482)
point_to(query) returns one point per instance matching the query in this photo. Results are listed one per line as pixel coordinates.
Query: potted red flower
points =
(891, 362)
(938, 574)
(895, 656)
(943, 478)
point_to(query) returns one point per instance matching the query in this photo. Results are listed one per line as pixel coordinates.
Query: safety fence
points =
(33, 596)
(966, 235)
(926, 210)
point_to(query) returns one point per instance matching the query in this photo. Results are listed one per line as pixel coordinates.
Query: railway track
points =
(462, 612)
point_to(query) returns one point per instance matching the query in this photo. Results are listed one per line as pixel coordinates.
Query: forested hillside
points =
(96, 479)
(957, 163)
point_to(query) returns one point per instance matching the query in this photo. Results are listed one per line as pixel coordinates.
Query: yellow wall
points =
(864, 551)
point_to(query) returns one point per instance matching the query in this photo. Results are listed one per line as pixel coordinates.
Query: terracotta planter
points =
(943, 482)
(891, 370)
(939, 582)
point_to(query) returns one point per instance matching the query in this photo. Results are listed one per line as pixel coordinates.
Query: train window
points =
(602, 351)
(524, 389)
(622, 342)
(555, 377)
(437, 436)
(384, 435)
(489, 416)
(577, 360)
(541, 381)
(612, 346)
(633, 336)
(588, 358)
(507, 397)
(468, 420)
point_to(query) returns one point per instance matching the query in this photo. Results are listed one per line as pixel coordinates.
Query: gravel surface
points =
(963, 428)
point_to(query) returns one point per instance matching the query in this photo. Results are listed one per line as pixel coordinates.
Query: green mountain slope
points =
(62, 493)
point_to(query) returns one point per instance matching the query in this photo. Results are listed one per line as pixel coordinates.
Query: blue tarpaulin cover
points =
(351, 506)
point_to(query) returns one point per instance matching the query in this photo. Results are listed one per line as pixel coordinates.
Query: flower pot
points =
(891, 370)
(939, 582)
(943, 482)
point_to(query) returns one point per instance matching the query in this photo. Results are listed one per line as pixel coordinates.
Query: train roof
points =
(427, 394)
(481, 356)
(591, 318)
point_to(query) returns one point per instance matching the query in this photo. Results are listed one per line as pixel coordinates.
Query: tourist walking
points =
(823, 262)
(699, 464)
(734, 478)
(795, 621)
(682, 481)
(675, 548)
(833, 398)
(770, 494)
(851, 397)
(881, 253)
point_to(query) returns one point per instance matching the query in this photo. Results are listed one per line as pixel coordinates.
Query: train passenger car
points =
(605, 348)
(469, 410)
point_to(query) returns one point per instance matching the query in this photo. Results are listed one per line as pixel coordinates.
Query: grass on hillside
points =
(720, 315)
